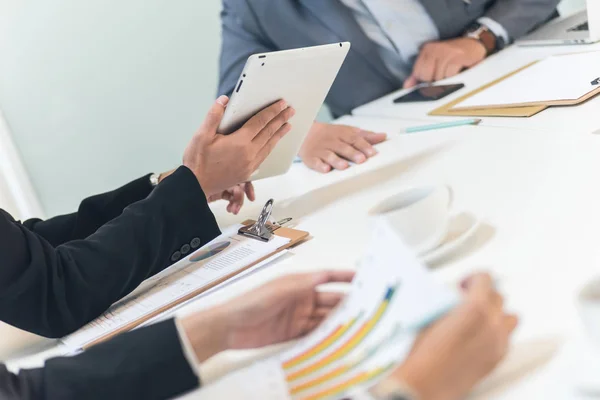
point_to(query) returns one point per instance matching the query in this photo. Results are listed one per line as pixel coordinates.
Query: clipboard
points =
(558, 80)
(524, 112)
(296, 237)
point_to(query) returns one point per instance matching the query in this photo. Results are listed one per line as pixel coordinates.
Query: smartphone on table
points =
(429, 93)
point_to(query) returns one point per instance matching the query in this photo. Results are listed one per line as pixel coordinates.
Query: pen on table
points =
(442, 125)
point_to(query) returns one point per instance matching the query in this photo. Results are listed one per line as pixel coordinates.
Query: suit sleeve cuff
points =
(184, 200)
(145, 363)
(496, 28)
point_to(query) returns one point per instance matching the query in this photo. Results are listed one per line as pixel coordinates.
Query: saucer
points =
(462, 227)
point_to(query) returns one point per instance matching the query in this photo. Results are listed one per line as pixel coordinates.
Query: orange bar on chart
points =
(347, 347)
(350, 383)
(318, 348)
(336, 373)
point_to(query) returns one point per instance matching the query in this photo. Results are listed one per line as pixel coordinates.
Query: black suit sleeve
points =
(53, 291)
(147, 363)
(93, 212)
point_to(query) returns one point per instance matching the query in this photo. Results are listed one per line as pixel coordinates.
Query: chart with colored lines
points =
(375, 328)
(351, 364)
(393, 296)
(338, 342)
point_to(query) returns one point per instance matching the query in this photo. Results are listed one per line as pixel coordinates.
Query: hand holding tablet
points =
(221, 162)
(301, 77)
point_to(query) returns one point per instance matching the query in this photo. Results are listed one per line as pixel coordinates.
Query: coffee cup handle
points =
(450, 196)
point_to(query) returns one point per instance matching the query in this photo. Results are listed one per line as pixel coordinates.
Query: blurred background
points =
(95, 93)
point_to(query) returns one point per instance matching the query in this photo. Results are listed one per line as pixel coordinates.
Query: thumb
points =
(374, 138)
(214, 116)
(510, 323)
(411, 81)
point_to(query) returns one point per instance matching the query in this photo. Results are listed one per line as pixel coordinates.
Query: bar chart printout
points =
(392, 297)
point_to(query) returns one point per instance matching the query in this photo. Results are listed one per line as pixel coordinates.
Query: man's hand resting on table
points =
(443, 59)
(282, 310)
(330, 147)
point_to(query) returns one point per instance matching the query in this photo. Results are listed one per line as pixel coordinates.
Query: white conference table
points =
(533, 190)
(579, 118)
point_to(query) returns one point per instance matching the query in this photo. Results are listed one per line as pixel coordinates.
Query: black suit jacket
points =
(145, 364)
(59, 274)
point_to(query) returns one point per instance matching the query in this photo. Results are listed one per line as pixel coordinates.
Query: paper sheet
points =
(224, 255)
(171, 312)
(392, 298)
(563, 77)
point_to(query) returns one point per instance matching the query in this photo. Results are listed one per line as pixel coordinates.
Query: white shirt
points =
(400, 28)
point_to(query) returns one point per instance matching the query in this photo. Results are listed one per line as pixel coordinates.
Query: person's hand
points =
(439, 60)
(458, 351)
(282, 310)
(220, 162)
(332, 146)
(287, 308)
(235, 196)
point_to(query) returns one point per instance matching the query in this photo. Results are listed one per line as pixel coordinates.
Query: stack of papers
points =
(224, 256)
(552, 81)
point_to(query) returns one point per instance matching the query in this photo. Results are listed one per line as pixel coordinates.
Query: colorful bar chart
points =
(350, 344)
(342, 387)
(354, 361)
(322, 346)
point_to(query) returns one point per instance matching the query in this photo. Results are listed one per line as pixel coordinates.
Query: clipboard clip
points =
(596, 82)
(262, 229)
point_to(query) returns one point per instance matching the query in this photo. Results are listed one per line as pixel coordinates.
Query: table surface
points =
(531, 185)
(582, 118)
(531, 189)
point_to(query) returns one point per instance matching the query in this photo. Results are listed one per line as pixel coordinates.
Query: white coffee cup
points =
(419, 215)
(589, 309)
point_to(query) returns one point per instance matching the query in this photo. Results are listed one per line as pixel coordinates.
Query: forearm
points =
(54, 291)
(518, 17)
(147, 363)
(206, 333)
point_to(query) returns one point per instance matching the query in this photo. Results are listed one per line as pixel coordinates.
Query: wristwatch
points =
(154, 180)
(391, 389)
(486, 37)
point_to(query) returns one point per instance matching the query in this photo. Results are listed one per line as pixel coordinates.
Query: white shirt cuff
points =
(496, 28)
(188, 351)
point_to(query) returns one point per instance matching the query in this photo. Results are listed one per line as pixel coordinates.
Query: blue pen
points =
(442, 125)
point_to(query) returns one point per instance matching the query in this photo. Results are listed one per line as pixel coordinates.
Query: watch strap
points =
(486, 37)
(392, 389)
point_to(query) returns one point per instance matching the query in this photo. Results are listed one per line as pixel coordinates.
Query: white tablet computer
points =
(302, 77)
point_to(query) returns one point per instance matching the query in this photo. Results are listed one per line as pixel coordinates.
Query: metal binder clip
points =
(260, 230)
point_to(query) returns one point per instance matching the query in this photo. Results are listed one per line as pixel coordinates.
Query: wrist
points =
(394, 389)
(482, 34)
(206, 332)
(419, 381)
(164, 175)
(204, 183)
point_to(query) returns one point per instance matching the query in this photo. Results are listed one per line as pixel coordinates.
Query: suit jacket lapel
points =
(338, 19)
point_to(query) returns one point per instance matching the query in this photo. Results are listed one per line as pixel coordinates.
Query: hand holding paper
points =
(458, 351)
(282, 310)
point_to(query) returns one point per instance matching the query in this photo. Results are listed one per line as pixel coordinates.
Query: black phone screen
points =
(429, 93)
